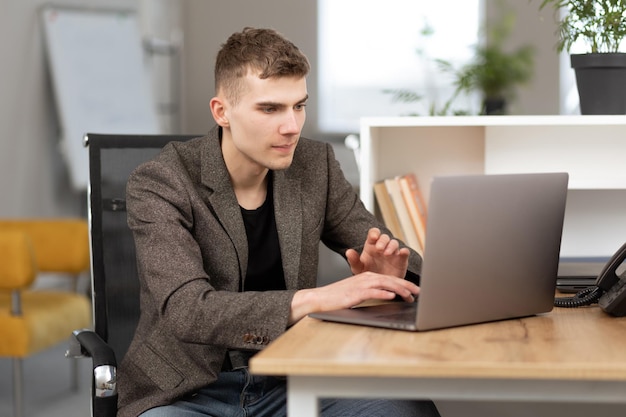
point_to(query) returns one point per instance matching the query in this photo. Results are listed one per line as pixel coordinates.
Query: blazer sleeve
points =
(348, 221)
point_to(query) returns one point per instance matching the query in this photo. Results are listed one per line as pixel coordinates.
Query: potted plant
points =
(494, 72)
(601, 72)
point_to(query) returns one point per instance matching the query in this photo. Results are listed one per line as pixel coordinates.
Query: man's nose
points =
(290, 124)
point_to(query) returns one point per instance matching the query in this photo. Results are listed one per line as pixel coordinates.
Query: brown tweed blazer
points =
(192, 256)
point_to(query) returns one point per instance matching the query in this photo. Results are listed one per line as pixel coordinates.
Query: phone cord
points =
(582, 298)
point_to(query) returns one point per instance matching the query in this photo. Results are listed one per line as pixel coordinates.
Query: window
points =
(569, 100)
(367, 47)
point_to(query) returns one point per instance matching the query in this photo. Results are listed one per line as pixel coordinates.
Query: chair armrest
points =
(87, 343)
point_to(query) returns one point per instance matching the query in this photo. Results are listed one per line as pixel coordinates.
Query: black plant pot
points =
(601, 82)
(494, 106)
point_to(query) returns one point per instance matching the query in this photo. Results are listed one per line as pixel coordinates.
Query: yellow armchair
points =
(32, 320)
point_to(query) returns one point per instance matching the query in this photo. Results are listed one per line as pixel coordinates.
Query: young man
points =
(227, 229)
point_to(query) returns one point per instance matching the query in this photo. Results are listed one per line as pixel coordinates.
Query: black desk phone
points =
(609, 291)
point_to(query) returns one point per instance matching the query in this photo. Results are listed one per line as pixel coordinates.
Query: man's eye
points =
(300, 106)
(269, 109)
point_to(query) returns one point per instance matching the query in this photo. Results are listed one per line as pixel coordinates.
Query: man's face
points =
(265, 124)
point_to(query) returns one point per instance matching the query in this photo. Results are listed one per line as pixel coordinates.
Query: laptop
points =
(577, 274)
(492, 253)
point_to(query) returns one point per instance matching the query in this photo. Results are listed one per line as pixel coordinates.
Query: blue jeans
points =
(236, 393)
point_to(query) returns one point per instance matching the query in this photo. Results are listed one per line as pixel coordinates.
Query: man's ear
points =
(219, 111)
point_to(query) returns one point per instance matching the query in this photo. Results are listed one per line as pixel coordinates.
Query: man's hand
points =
(380, 254)
(349, 292)
(378, 275)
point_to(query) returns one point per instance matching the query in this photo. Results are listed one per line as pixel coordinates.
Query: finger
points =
(382, 242)
(378, 294)
(373, 235)
(354, 260)
(392, 247)
(397, 285)
(409, 298)
(404, 251)
(404, 254)
(405, 293)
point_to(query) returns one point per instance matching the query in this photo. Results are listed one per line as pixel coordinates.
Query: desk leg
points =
(301, 401)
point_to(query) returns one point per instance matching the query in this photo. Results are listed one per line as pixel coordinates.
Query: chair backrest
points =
(17, 266)
(59, 244)
(114, 271)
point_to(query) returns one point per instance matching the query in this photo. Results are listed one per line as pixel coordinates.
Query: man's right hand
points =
(349, 292)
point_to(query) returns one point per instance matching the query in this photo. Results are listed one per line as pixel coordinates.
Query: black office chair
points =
(114, 272)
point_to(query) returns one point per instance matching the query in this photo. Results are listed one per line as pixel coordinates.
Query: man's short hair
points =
(259, 50)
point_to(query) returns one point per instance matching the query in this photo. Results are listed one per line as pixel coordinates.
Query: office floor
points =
(47, 387)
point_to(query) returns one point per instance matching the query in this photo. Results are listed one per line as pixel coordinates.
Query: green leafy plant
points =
(601, 24)
(405, 95)
(494, 72)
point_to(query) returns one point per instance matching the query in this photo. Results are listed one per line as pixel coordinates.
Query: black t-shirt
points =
(265, 269)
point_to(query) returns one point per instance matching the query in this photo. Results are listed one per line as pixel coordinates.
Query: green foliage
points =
(601, 24)
(493, 71)
(403, 95)
(409, 96)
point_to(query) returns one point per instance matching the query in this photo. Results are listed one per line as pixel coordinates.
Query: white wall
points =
(32, 173)
(34, 180)
(33, 177)
(541, 94)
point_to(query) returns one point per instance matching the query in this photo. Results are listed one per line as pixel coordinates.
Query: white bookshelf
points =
(592, 149)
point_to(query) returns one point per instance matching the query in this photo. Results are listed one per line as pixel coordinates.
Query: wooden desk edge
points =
(288, 356)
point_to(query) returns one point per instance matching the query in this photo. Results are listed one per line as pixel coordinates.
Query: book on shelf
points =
(410, 234)
(415, 204)
(388, 213)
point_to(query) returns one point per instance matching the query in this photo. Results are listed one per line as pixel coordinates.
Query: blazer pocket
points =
(161, 371)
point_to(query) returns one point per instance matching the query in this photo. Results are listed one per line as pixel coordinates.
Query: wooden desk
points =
(568, 355)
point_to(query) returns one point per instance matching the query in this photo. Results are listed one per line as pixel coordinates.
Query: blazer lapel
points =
(288, 213)
(220, 197)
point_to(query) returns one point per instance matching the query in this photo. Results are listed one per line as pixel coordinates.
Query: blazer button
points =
(248, 338)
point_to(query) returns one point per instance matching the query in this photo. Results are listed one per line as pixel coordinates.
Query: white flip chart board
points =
(100, 81)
